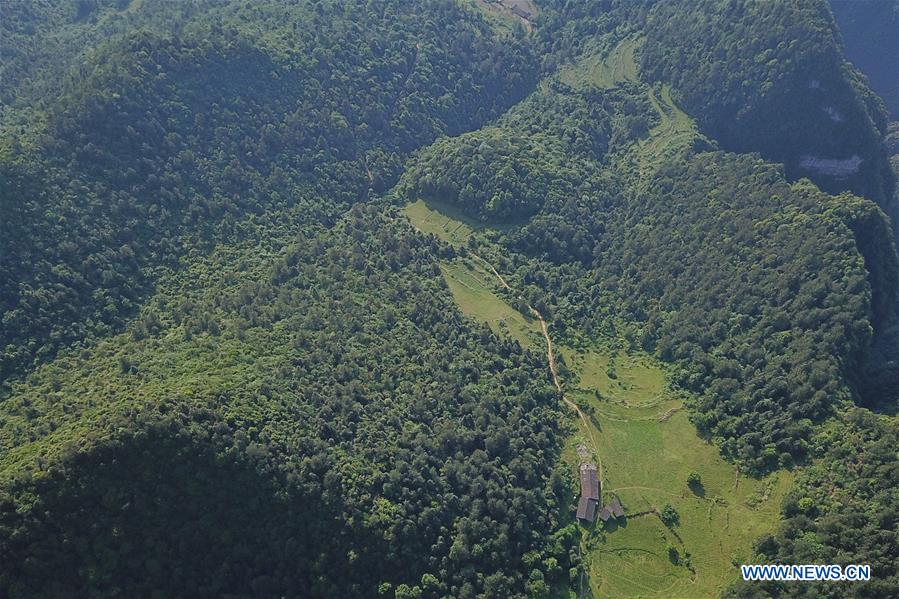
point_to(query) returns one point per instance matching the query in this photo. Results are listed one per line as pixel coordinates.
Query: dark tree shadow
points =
(161, 512)
(613, 524)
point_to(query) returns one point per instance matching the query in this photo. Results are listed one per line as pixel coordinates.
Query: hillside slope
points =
(320, 422)
(229, 364)
(770, 77)
(169, 139)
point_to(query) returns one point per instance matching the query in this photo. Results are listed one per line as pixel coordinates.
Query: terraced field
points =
(675, 132)
(604, 72)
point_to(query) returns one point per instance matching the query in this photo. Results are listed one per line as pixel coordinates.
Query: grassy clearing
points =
(449, 223)
(473, 290)
(500, 16)
(621, 379)
(633, 567)
(648, 447)
(443, 220)
(604, 72)
(675, 131)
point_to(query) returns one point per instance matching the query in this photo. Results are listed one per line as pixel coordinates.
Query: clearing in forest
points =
(649, 448)
(443, 220)
(675, 131)
(636, 428)
(473, 289)
(604, 71)
(508, 15)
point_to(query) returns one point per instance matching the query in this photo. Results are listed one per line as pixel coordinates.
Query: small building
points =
(586, 509)
(589, 500)
(589, 482)
(616, 508)
(520, 12)
(612, 510)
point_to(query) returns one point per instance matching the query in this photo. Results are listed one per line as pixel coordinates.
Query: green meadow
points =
(472, 287)
(639, 433)
(648, 447)
(443, 220)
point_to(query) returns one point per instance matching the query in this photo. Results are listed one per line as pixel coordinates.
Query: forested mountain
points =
(770, 77)
(171, 136)
(261, 439)
(230, 366)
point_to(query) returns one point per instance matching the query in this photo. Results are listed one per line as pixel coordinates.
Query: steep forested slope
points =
(44, 39)
(171, 137)
(529, 160)
(216, 374)
(770, 77)
(324, 449)
(315, 423)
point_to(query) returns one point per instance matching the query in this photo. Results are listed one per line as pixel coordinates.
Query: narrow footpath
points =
(551, 360)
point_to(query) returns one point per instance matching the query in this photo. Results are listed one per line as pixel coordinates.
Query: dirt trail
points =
(551, 360)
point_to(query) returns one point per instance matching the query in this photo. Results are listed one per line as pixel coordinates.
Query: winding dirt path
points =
(551, 360)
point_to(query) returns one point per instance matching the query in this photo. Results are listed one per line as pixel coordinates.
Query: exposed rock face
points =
(834, 167)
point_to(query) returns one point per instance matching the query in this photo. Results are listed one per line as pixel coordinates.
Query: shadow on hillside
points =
(165, 512)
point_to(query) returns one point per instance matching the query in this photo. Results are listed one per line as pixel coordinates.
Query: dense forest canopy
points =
(770, 77)
(303, 453)
(229, 364)
(175, 135)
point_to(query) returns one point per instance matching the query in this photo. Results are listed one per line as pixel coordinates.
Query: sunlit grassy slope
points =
(604, 72)
(473, 292)
(646, 446)
(442, 220)
(675, 131)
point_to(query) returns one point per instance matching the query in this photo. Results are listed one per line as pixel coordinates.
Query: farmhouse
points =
(518, 11)
(586, 509)
(586, 506)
